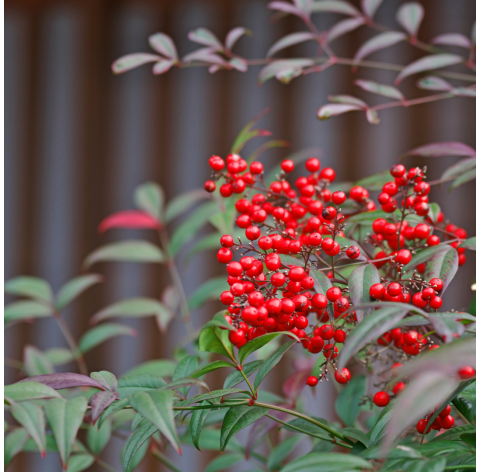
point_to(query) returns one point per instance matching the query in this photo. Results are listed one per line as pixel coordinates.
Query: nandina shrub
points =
(349, 278)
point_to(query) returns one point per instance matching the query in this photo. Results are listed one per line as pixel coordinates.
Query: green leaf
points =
(443, 264)
(183, 202)
(13, 444)
(454, 433)
(22, 391)
(149, 197)
(463, 178)
(25, 310)
(131, 307)
(208, 290)
(65, 418)
(370, 329)
(281, 451)
(126, 251)
(111, 409)
(31, 287)
(31, 417)
(208, 242)
(184, 368)
(106, 379)
(197, 422)
(79, 462)
(237, 418)
(386, 91)
(211, 367)
(157, 407)
(142, 382)
(271, 362)
(214, 339)
(192, 225)
(209, 396)
(58, 356)
(159, 367)
(99, 334)
(470, 244)
(236, 377)
(374, 182)
(220, 321)
(459, 168)
(347, 403)
(326, 462)
(322, 283)
(98, 438)
(360, 281)
(379, 429)
(138, 456)
(431, 62)
(355, 433)
(259, 342)
(35, 362)
(139, 437)
(73, 288)
(223, 462)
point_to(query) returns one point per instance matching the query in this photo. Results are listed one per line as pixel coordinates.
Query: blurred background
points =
(78, 140)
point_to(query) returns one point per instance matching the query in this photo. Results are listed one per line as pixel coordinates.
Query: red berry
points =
(307, 283)
(297, 273)
(462, 259)
(338, 197)
(436, 302)
(421, 426)
(314, 239)
(410, 337)
(421, 231)
(384, 198)
(333, 294)
(237, 289)
(259, 216)
(403, 257)
(432, 240)
(256, 168)
(278, 279)
(326, 332)
(209, 186)
(312, 381)
(356, 194)
(238, 186)
(353, 252)
(287, 166)
(217, 163)
(419, 301)
(390, 188)
(466, 372)
(398, 388)
(329, 213)
(236, 337)
(328, 174)
(398, 171)
(330, 351)
(445, 412)
(226, 190)
(301, 322)
(339, 336)
(224, 255)
(313, 164)
(273, 261)
(381, 399)
(394, 289)
(227, 241)
(342, 376)
(377, 291)
(265, 243)
(422, 188)
(253, 233)
(327, 244)
(319, 301)
(378, 225)
(227, 298)
(336, 248)
(421, 208)
(447, 422)
(428, 293)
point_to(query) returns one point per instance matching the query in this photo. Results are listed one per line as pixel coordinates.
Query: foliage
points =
(167, 403)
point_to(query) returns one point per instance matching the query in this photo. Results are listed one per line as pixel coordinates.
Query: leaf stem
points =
(67, 334)
(210, 407)
(306, 418)
(247, 381)
(306, 432)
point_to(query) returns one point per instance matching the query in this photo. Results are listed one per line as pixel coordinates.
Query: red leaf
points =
(132, 219)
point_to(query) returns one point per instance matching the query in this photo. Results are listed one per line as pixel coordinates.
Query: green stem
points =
(306, 418)
(210, 407)
(457, 467)
(306, 432)
(71, 343)
(247, 381)
(165, 460)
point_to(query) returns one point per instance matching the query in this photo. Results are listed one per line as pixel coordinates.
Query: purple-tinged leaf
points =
(464, 92)
(443, 265)
(409, 16)
(275, 67)
(335, 6)
(204, 55)
(348, 100)
(452, 39)
(381, 41)
(162, 67)
(294, 384)
(459, 168)
(434, 61)
(304, 5)
(447, 148)
(343, 27)
(290, 40)
(163, 44)
(370, 7)
(238, 63)
(106, 379)
(446, 327)
(131, 61)
(360, 281)
(463, 178)
(434, 83)
(234, 35)
(132, 219)
(99, 402)
(205, 37)
(420, 397)
(380, 89)
(372, 326)
(335, 109)
(286, 8)
(469, 243)
(64, 380)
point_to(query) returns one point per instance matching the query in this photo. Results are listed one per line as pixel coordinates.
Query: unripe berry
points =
(313, 164)
(333, 294)
(343, 376)
(312, 381)
(381, 399)
(338, 197)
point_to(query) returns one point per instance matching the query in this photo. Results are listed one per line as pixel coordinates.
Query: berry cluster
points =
(271, 291)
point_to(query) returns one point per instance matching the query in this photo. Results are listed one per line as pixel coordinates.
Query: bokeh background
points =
(78, 140)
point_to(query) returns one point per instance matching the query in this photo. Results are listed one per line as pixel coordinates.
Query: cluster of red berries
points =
(270, 293)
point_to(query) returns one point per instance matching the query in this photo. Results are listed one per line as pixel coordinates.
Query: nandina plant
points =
(349, 278)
